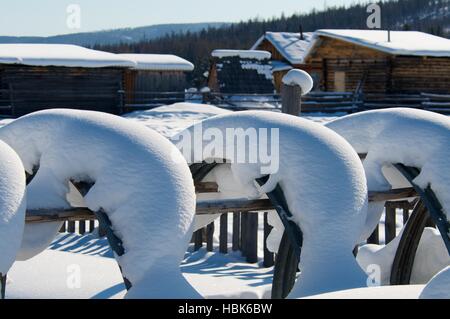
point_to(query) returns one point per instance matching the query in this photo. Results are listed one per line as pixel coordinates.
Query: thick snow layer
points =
(12, 206)
(314, 163)
(288, 44)
(402, 42)
(141, 181)
(159, 62)
(299, 78)
(431, 256)
(243, 54)
(413, 137)
(60, 55)
(172, 119)
(438, 287)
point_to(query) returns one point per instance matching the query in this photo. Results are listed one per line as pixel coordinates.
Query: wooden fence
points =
(245, 228)
(439, 103)
(245, 232)
(324, 102)
(78, 227)
(334, 102)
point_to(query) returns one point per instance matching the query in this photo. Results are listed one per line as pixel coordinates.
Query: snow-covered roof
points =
(68, 55)
(243, 54)
(159, 62)
(60, 55)
(288, 44)
(402, 42)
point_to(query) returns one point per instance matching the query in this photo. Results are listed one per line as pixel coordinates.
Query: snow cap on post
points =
(296, 77)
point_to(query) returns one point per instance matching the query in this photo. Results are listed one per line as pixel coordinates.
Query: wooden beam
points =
(210, 207)
(58, 215)
(380, 196)
(206, 187)
(233, 205)
(392, 194)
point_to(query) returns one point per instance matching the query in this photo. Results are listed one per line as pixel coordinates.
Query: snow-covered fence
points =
(390, 221)
(245, 228)
(150, 99)
(79, 226)
(439, 103)
(325, 102)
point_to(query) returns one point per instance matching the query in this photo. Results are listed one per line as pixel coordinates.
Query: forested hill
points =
(431, 16)
(111, 37)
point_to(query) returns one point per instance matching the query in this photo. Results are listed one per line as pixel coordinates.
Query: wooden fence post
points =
(91, 225)
(295, 84)
(198, 239)
(252, 238)
(236, 230)
(71, 227)
(291, 99)
(389, 223)
(243, 244)
(223, 236)
(268, 256)
(210, 237)
(82, 227)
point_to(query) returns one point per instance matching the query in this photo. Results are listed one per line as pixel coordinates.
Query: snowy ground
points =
(387, 292)
(213, 274)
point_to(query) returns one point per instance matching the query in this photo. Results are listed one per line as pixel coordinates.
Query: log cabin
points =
(376, 61)
(41, 76)
(156, 79)
(235, 72)
(287, 51)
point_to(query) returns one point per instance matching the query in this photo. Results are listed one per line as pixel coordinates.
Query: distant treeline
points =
(423, 15)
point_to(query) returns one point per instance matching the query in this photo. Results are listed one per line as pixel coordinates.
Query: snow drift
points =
(438, 287)
(140, 180)
(12, 206)
(412, 137)
(315, 164)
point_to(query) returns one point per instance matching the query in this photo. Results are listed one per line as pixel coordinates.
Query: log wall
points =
(142, 86)
(420, 74)
(385, 73)
(28, 89)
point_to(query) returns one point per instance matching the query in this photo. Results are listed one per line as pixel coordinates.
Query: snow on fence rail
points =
(245, 227)
(244, 215)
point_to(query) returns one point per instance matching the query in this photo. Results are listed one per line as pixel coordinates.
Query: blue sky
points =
(48, 17)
